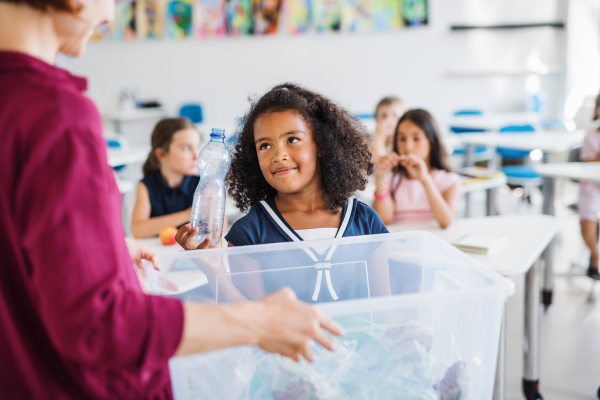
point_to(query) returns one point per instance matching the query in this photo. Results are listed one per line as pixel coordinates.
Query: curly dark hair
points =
(342, 143)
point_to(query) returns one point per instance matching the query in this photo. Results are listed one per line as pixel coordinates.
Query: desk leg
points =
(491, 195)
(549, 192)
(499, 383)
(531, 334)
(470, 155)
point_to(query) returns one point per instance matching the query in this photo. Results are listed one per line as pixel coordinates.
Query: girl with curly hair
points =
(299, 160)
(414, 182)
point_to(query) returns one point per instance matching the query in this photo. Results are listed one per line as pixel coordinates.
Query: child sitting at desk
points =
(589, 196)
(165, 195)
(414, 182)
(387, 113)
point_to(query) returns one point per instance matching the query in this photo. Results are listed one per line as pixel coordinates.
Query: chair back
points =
(514, 154)
(193, 112)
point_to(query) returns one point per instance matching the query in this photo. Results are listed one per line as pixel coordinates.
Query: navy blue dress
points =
(166, 200)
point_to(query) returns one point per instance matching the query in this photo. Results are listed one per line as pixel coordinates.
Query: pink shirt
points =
(74, 323)
(412, 204)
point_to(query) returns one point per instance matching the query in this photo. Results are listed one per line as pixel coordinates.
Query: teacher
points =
(74, 321)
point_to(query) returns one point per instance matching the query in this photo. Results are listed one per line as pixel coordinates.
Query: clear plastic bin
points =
(422, 319)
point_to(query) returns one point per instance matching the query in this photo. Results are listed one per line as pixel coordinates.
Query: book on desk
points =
(481, 242)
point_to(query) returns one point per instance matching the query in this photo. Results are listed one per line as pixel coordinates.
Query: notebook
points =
(481, 242)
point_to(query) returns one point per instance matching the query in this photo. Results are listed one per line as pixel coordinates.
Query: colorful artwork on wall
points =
(387, 15)
(415, 12)
(357, 16)
(297, 16)
(179, 19)
(209, 18)
(150, 19)
(123, 27)
(327, 15)
(239, 17)
(265, 16)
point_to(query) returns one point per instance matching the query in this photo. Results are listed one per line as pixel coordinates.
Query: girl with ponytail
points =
(165, 195)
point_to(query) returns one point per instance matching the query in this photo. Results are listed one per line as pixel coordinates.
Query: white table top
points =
(156, 245)
(131, 155)
(494, 121)
(528, 237)
(548, 141)
(580, 171)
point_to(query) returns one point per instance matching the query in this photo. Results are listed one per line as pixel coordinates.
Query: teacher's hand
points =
(286, 326)
(139, 252)
(185, 238)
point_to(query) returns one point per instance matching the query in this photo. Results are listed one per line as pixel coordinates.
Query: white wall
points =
(429, 67)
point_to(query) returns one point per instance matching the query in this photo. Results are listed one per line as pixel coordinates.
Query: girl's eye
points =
(263, 146)
(292, 140)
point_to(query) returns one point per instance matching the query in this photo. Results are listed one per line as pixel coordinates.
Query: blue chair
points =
(192, 111)
(523, 176)
(512, 154)
(481, 152)
(116, 143)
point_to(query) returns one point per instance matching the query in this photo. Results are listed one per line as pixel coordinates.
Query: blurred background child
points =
(414, 182)
(589, 195)
(387, 113)
(165, 195)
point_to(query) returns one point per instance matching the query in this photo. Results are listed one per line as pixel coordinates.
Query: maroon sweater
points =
(74, 323)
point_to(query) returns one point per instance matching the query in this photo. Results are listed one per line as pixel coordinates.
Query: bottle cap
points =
(216, 132)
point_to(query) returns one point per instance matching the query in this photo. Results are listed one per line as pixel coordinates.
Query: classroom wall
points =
(428, 67)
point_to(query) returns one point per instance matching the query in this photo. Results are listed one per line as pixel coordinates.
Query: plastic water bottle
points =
(208, 208)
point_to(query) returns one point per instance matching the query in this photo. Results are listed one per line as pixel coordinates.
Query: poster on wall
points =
(123, 26)
(327, 15)
(239, 17)
(387, 15)
(179, 19)
(357, 16)
(209, 18)
(415, 12)
(297, 16)
(265, 16)
(150, 19)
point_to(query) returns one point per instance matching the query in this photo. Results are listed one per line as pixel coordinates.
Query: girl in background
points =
(387, 113)
(589, 196)
(414, 182)
(165, 195)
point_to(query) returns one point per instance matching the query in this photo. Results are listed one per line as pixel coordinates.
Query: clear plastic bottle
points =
(208, 208)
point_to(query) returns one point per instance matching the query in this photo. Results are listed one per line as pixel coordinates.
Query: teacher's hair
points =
(44, 5)
(162, 136)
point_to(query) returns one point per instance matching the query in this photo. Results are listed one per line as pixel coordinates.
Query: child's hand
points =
(415, 166)
(185, 238)
(386, 163)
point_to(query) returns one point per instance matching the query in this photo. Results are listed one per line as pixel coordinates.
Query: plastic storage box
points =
(422, 319)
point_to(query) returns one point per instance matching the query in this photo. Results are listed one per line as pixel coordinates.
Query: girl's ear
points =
(160, 154)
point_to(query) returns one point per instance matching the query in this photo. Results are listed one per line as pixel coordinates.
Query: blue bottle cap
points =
(216, 132)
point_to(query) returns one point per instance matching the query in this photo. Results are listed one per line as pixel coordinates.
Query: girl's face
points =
(287, 152)
(412, 139)
(182, 156)
(389, 115)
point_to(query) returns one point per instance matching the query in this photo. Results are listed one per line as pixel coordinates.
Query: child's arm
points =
(443, 206)
(384, 204)
(142, 226)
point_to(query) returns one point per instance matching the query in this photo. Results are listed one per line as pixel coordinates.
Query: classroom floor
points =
(570, 330)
